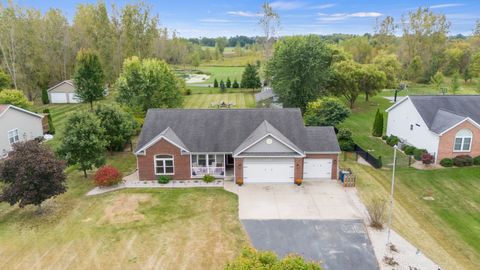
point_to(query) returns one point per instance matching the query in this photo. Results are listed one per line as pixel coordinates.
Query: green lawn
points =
(470, 88)
(222, 73)
(360, 123)
(130, 229)
(446, 229)
(204, 101)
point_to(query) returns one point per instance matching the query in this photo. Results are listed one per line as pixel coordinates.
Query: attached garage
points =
(268, 170)
(317, 168)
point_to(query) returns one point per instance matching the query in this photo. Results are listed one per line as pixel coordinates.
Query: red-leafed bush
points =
(107, 176)
(427, 158)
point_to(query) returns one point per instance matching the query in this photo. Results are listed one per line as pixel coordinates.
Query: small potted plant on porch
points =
(239, 181)
(298, 181)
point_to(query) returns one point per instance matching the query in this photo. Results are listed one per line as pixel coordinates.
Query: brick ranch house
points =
(446, 126)
(254, 145)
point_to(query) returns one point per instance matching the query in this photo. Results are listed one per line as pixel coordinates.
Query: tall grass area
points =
(446, 229)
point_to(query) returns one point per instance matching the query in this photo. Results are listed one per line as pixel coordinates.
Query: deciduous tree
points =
(31, 175)
(83, 141)
(345, 80)
(301, 67)
(148, 83)
(119, 126)
(328, 111)
(373, 81)
(14, 97)
(389, 64)
(5, 80)
(89, 77)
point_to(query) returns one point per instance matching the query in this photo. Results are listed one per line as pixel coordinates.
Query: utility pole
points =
(389, 224)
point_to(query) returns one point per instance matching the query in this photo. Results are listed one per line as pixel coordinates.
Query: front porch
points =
(216, 165)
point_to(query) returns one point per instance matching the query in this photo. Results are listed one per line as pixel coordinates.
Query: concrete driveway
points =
(317, 220)
(324, 199)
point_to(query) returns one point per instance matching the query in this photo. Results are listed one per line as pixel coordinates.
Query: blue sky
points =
(195, 18)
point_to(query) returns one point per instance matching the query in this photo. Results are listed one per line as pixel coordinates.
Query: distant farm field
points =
(222, 73)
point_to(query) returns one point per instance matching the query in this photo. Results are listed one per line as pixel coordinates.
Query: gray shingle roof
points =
(206, 130)
(261, 131)
(442, 112)
(266, 93)
(172, 136)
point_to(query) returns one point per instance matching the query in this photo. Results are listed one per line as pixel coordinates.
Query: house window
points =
(13, 136)
(463, 141)
(164, 165)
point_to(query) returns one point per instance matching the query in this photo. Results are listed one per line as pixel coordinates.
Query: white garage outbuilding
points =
(63, 92)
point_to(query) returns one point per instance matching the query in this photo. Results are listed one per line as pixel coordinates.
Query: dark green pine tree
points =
(215, 83)
(250, 77)
(235, 84)
(228, 84)
(378, 124)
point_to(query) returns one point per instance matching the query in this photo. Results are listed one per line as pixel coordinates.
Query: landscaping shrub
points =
(409, 150)
(208, 178)
(427, 159)
(215, 83)
(345, 140)
(107, 176)
(417, 153)
(51, 128)
(188, 92)
(463, 160)
(164, 179)
(446, 162)
(384, 137)
(376, 210)
(476, 160)
(392, 140)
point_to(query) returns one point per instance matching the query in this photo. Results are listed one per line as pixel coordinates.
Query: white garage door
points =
(268, 170)
(72, 98)
(317, 168)
(58, 98)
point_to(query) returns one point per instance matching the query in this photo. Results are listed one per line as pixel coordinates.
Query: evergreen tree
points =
(215, 83)
(89, 77)
(250, 77)
(235, 84)
(378, 124)
(455, 83)
(51, 128)
(222, 86)
(228, 84)
(45, 96)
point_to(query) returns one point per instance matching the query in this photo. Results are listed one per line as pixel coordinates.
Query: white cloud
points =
(344, 16)
(214, 20)
(244, 14)
(287, 5)
(324, 6)
(447, 5)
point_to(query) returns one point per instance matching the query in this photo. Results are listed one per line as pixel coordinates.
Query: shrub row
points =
(418, 154)
(460, 161)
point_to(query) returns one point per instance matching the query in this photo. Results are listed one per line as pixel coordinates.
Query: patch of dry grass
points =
(129, 229)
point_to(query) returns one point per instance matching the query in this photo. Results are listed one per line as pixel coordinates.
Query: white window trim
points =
(461, 146)
(17, 135)
(155, 159)
(207, 166)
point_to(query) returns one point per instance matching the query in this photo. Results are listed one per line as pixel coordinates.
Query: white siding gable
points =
(405, 122)
(29, 127)
(267, 145)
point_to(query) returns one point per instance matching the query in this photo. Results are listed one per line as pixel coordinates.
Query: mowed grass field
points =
(129, 229)
(446, 229)
(222, 73)
(204, 101)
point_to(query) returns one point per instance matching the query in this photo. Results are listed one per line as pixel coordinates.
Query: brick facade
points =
(145, 163)
(447, 141)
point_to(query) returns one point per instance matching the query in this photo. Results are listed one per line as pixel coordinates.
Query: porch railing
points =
(214, 171)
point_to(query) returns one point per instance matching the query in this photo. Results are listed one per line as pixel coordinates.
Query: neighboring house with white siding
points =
(446, 126)
(17, 124)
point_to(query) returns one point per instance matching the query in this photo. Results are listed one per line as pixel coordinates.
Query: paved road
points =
(338, 244)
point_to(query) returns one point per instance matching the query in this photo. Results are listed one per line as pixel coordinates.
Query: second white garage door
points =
(72, 98)
(314, 168)
(58, 98)
(268, 170)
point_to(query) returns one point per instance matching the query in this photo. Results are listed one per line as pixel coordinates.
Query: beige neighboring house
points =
(17, 124)
(63, 92)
